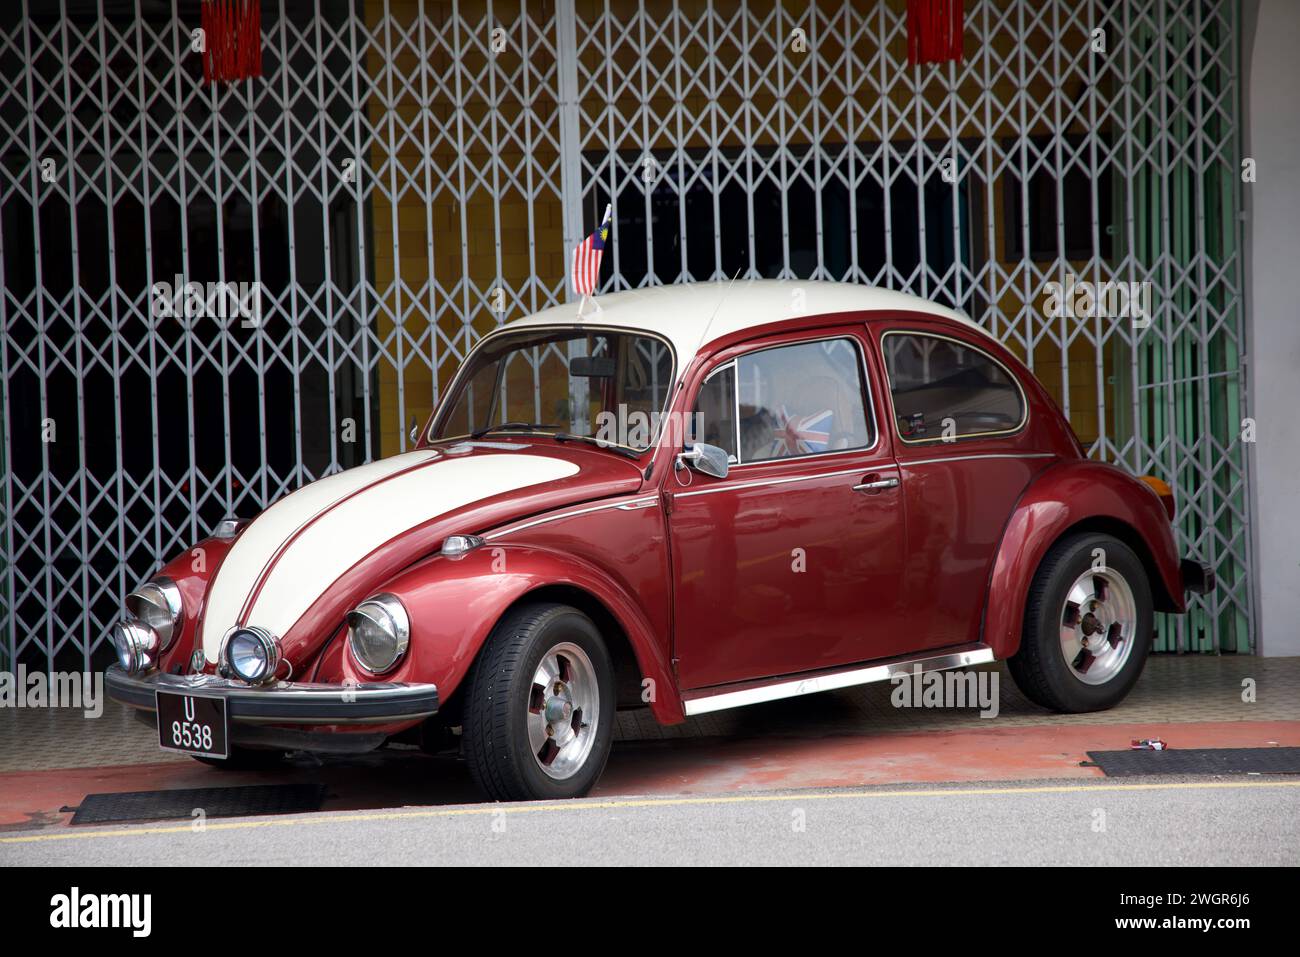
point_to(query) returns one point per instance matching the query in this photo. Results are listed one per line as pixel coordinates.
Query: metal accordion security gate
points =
(408, 174)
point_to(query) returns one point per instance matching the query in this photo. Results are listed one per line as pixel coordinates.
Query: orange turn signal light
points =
(1161, 488)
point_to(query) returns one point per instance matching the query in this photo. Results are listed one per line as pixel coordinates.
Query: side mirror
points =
(414, 433)
(706, 459)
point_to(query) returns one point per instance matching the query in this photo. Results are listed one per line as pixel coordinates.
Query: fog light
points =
(136, 645)
(252, 655)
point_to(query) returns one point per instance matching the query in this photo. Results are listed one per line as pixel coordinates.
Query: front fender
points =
(454, 604)
(1069, 494)
(192, 570)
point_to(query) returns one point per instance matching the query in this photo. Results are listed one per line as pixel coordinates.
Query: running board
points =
(732, 696)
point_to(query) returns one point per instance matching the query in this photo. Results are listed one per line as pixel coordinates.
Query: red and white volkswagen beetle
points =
(699, 497)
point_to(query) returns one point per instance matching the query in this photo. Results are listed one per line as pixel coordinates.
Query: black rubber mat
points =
(249, 801)
(1128, 763)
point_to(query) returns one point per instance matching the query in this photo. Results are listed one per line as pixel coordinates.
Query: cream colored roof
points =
(693, 314)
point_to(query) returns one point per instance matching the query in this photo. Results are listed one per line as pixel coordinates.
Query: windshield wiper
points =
(501, 426)
(558, 436)
(621, 450)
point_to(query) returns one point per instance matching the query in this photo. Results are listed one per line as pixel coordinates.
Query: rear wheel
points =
(539, 706)
(1088, 624)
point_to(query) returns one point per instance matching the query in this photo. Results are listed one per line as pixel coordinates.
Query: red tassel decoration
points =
(934, 31)
(232, 31)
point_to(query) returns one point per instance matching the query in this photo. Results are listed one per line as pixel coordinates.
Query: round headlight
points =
(158, 605)
(136, 645)
(378, 633)
(252, 655)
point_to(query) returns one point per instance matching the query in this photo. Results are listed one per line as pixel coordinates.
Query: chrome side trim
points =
(793, 687)
(861, 470)
(636, 503)
(982, 455)
(639, 503)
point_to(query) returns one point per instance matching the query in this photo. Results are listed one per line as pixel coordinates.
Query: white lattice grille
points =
(404, 178)
(391, 181)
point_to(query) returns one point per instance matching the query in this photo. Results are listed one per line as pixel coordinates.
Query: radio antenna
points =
(704, 336)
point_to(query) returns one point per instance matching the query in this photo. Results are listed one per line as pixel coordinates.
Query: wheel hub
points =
(558, 707)
(1094, 627)
(1098, 625)
(563, 711)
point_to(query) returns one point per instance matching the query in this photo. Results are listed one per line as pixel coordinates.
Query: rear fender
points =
(1077, 495)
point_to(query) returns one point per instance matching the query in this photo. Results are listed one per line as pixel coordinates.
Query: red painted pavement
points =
(32, 799)
(990, 754)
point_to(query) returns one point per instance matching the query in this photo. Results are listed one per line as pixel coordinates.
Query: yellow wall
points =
(473, 261)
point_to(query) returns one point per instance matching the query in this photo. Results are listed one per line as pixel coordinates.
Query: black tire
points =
(244, 759)
(1040, 668)
(498, 693)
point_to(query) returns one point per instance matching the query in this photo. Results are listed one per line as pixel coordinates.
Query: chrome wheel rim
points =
(1098, 625)
(563, 711)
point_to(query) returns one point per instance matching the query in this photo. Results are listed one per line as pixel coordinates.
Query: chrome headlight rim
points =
(386, 613)
(158, 605)
(263, 640)
(137, 646)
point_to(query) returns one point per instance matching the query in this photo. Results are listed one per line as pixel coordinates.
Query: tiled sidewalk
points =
(1172, 690)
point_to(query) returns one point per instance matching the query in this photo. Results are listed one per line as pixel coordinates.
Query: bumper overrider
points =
(1198, 577)
(283, 702)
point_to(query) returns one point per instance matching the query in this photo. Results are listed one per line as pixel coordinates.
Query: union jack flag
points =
(801, 434)
(586, 257)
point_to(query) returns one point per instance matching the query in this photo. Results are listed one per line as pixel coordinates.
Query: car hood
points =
(336, 540)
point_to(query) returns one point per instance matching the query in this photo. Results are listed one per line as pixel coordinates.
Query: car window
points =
(714, 420)
(944, 389)
(608, 385)
(787, 401)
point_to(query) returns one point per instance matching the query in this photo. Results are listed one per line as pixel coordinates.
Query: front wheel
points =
(1088, 625)
(539, 706)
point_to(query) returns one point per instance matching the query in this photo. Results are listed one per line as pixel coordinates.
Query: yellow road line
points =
(480, 809)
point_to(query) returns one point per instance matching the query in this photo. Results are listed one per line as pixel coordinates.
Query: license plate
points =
(193, 724)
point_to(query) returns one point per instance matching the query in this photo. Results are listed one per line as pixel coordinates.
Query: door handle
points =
(871, 488)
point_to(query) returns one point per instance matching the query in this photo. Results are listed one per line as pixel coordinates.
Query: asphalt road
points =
(1152, 822)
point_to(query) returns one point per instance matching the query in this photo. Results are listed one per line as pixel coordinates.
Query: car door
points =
(792, 562)
(959, 418)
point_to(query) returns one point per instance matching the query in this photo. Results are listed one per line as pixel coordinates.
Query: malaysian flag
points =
(586, 258)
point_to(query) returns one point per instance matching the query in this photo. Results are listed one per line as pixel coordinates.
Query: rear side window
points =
(943, 389)
(785, 402)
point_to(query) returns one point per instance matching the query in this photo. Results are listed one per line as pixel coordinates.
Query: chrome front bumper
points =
(284, 702)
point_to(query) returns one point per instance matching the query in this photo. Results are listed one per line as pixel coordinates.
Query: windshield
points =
(604, 385)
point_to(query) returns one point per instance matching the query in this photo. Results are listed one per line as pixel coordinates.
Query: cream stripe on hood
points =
(363, 508)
